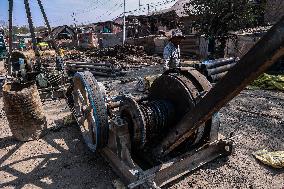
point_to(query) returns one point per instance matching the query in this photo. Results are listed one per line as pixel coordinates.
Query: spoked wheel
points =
(90, 110)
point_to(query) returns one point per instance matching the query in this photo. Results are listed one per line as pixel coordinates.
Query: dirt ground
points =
(61, 160)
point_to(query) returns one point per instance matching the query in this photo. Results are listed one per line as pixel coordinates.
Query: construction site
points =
(150, 94)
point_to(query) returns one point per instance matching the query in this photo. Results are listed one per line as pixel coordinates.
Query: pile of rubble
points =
(74, 55)
(111, 61)
(117, 51)
(124, 56)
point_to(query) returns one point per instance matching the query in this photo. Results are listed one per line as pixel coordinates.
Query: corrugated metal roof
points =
(59, 29)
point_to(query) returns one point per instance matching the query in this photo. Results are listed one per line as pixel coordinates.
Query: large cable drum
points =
(183, 88)
(90, 110)
(171, 96)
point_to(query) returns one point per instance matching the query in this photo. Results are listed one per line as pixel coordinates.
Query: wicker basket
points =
(24, 111)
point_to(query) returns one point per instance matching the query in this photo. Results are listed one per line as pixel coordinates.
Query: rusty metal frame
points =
(169, 171)
(178, 167)
(117, 153)
(118, 149)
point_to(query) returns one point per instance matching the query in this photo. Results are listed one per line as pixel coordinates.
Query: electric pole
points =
(124, 23)
(10, 35)
(148, 8)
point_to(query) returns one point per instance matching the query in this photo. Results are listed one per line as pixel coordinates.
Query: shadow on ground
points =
(58, 160)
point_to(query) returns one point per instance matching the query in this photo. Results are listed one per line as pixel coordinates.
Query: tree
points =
(216, 18)
(20, 30)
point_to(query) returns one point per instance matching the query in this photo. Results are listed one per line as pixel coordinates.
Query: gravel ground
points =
(256, 119)
(60, 159)
(2, 69)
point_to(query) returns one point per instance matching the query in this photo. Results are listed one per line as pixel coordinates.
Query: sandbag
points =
(274, 159)
(24, 111)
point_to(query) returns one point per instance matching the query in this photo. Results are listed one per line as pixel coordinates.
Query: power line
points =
(80, 11)
(110, 12)
(145, 7)
(96, 6)
(153, 5)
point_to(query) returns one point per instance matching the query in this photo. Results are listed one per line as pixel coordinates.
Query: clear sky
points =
(60, 12)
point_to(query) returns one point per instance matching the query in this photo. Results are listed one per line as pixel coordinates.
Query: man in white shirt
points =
(172, 50)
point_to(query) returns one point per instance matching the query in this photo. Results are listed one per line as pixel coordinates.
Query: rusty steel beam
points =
(48, 26)
(267, 51)
(11, 4)
(44, 15)
(31, 27)
(175, 168)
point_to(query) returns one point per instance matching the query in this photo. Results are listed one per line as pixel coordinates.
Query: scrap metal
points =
(153, 140)
(172, 131)
(98, 69)
(215, 70)
(267, 51)
(122, 128)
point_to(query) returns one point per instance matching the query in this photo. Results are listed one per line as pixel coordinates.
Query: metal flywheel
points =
(90, 109)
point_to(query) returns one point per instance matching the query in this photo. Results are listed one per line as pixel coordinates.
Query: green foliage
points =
(216, 18)
(20, 30)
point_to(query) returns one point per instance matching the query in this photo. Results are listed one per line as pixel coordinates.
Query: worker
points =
(172, 50)
(61, 52)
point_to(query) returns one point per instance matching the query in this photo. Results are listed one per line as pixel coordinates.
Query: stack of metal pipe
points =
(215, 70)
(103, 69)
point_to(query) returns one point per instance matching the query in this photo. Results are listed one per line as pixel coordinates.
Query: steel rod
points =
(95, 67)
(267, 51)
(88, 63)
(220, 69)
(103, 71)
(11, 2)
(220, 62)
